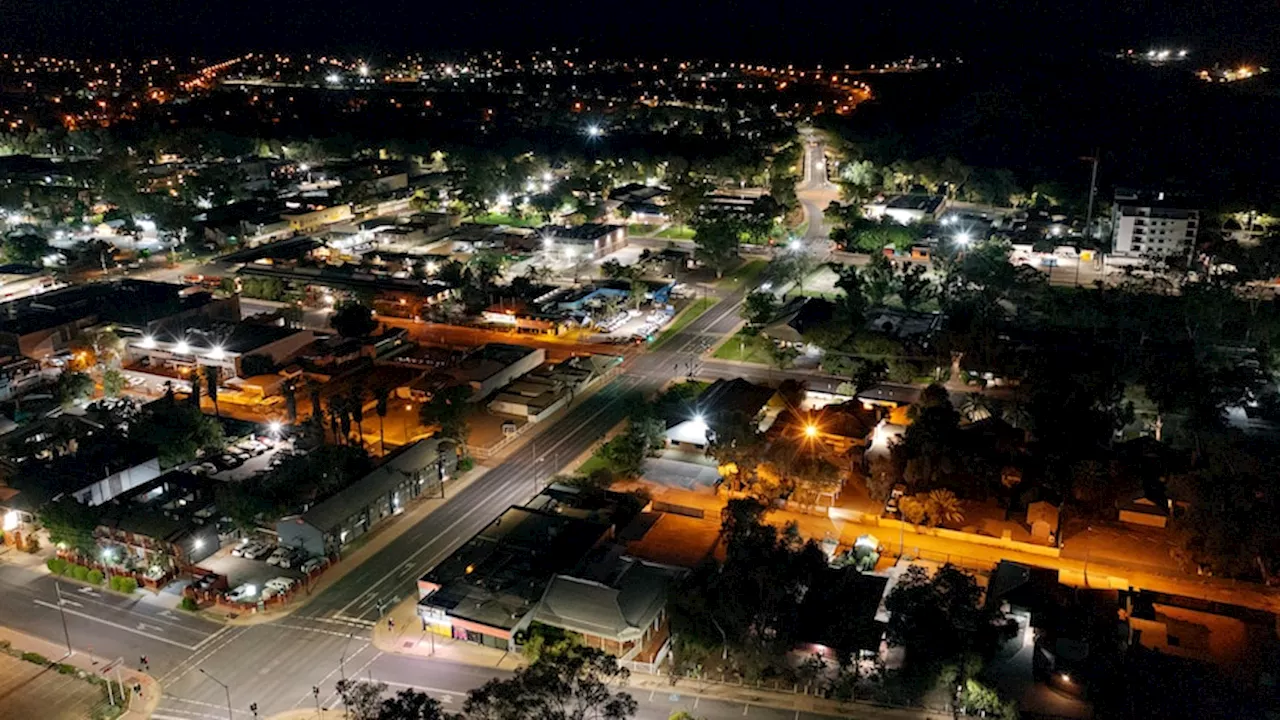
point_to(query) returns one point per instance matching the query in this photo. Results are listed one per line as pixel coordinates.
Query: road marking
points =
(424, 688)
(89, 591)
(118, 626)
(72, 603)
(153, 628)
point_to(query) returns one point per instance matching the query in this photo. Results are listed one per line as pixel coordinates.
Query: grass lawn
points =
(745, 348)
(746, 275)
(502, 219)
(642, 230)
(686, 316)
(677, 232)
(593, 463)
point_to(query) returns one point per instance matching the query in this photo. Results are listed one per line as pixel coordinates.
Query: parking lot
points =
(28, 690)
(243, 459)
(250, 576)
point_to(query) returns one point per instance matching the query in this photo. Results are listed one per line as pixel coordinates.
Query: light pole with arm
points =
(225, 688)
(66, 634)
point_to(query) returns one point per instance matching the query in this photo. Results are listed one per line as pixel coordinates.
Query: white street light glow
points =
(964, 238)
(182, 348)
(594, 130)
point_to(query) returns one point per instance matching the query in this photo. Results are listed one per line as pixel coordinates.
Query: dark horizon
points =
(819, 31)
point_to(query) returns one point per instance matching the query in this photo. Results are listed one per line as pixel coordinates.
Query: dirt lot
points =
(28, 690)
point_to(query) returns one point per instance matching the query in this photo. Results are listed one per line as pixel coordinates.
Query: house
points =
(724, 401)
(1043, 518)
(489, 589)
(17, 375)
(903, 324)
(616, 604)
(327, 527)
(840, 429)
(1055, 619)
(642, 204)
(797, 317)
(907, 209)
(169, 521)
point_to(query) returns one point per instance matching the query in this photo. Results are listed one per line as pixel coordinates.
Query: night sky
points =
(817, 30)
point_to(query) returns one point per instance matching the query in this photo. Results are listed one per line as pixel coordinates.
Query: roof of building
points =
(618, 605)
(331, 513)
(733, 396)
(128, 301)
(500, 574)
(489, 360)
(587, 231)
(802, 314)
(165, 508)
(914, 201)
(901, 323)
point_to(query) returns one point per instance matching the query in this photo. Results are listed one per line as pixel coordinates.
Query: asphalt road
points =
(276, 665)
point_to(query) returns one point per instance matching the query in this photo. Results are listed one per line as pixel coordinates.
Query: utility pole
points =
(66, 634)
(226, 688)
(1088, 215)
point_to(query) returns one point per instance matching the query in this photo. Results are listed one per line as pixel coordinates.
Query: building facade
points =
(1152, 226)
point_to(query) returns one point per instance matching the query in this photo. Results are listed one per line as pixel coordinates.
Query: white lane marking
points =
(153, 628)
(118, 626)
(72, 603)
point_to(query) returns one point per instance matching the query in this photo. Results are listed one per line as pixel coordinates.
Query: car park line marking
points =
(118, 626)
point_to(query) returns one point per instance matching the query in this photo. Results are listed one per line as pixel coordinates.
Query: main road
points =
(278, 664)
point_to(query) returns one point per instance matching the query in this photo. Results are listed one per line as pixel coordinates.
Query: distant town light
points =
(364, 70)
(594, 131)
(333, 78)
(546, 177)
(794, 244)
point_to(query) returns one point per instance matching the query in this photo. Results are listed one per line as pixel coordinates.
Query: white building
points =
(1152, 225)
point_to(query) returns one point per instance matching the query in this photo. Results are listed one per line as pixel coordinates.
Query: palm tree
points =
(975, 407)
(942, 507)
(383, 398)
(356, 408)
(211, 376)
(912, 509)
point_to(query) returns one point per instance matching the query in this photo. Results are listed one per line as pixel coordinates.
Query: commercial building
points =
(417, 471)
(306, 218)
(221, 346)
(592, 240)
(495, 365)
(44, 325)
(1152, 225)
(490, 589)
(551, 387)
(170, 521)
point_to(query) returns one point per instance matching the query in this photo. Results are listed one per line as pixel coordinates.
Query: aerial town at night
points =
(669, 363)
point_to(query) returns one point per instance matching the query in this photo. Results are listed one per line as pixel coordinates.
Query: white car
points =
(280, 556)
(281, 584)
(312, 565)
(242, 593)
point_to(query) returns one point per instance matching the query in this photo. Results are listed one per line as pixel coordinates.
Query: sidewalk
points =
(409, 638)
(371, 544)
(140, 708)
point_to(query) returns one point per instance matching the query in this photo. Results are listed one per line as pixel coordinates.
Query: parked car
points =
(256, 551)
(312, 565)
(281, 584)
(242, 593)
(891, 504)
(238, 550)
(280, 556)
(204, 582)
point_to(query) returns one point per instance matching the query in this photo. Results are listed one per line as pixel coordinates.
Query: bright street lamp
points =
(964, 238)
(811, 430)
(594, 131)
(182, 348)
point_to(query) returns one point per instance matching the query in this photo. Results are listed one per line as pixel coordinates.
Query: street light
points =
(594, 131)
(963, 238)
(811, 430)
(230, 712)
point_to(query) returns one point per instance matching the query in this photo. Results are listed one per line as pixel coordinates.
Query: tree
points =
(25, 249)
(716, 244)
(381, 402)
(759, 307)
(362, 698)
(213, 376)
(853, 304)
(570, 685)
(113, 382)
(869, 373)
(914, 286)
(257, 364)
(291, 400)
(74, 387)
(410, 704)
(878, 279)
(353, 320)
(943, 507)
(447, 409)
(940, 617)
(71, 524)
(177, 431)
